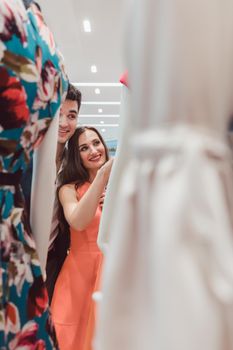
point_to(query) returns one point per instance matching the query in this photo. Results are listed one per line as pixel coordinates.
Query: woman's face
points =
(92, 151)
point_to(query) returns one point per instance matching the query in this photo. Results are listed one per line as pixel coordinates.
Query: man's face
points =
(67, 120)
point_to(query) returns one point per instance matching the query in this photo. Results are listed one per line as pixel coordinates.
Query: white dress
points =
(168, 277)
(121, 159)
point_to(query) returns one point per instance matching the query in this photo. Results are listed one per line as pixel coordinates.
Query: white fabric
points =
(168, 277)
(120, 161)
(42, 194)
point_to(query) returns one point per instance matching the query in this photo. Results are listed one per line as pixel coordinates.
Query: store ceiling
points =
(102, 47)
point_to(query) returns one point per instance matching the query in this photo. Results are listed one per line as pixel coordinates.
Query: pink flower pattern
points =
(26, 339)
(48, 86)
(13, 21)
(31, 87)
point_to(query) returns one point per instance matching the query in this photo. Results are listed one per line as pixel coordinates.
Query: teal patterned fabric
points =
(32, 84)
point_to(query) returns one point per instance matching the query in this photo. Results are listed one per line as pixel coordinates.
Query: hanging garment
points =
(120, 160)
(31, 84)
(73, 309)
(168, 277)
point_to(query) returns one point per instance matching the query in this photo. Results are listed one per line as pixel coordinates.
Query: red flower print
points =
(45, 32)
(15, 20)
(14, 112)
(12, 318)
(48, 86)
(27, 338)
(40, 345)
(37, 298)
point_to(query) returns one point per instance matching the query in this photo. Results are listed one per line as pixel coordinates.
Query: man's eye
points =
(72, 116)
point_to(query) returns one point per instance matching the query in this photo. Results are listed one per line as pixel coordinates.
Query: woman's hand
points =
(105, 170)
(102, 198)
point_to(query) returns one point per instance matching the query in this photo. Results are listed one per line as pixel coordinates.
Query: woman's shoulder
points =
(71, 192)
(66, 187)
(73, 188)
(66, 190)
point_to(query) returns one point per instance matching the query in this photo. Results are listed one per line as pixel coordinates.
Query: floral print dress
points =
(32, 82)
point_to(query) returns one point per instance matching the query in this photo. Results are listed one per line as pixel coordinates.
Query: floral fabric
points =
(32, 82)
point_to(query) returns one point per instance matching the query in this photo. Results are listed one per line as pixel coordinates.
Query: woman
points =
(81, 194)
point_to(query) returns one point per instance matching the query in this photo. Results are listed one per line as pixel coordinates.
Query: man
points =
(59, 241)
(67, 120)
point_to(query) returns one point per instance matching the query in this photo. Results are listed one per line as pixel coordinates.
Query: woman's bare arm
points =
(79, 213)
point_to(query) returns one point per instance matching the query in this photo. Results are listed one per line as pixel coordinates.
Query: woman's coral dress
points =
(73, 308)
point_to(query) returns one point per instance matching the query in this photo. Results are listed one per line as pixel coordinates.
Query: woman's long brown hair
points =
(73, 171)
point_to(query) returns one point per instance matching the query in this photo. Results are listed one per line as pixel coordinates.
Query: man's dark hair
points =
(74, 94)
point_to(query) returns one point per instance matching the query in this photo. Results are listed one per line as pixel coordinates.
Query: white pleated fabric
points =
(168, 277)
(120, 161)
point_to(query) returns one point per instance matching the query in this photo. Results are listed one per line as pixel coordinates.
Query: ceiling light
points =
(97, 91)
(101, 122)
(100, 110)
(98, 116)
(93, 69)
(103, 130)
(105, 125)
(106, 103)
(87, 26)
(98, 84)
